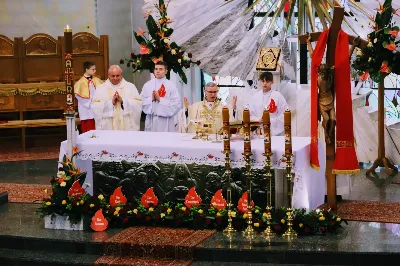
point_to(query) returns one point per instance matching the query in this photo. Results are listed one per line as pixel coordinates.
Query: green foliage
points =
(156, 46)
(380, 55)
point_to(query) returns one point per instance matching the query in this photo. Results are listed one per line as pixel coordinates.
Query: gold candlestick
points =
(249, 231)
(288, 154)
(268, 153)
(227, 151)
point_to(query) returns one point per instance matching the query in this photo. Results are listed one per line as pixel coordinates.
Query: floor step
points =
(3, 198)
(15, 257)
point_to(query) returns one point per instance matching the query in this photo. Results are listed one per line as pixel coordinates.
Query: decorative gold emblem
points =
(268, 59)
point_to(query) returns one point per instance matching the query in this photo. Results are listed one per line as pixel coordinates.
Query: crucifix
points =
(330, 62)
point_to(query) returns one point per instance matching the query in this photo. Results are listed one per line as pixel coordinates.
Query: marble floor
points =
(374, 188)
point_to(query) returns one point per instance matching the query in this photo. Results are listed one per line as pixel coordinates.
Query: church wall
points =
(22, 18)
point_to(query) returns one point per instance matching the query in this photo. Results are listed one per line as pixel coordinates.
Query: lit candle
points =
(288, 132)
(226, 129)
(267, 131)
(67, 29)
(246, 130)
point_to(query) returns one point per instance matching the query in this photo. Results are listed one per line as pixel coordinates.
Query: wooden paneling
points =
(7, 103)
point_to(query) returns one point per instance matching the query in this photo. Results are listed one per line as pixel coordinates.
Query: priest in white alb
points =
(209, 110)
(116, 104)
(161, 101)
(269, 99)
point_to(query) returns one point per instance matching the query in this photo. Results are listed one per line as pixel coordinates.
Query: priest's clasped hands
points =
(156, 96)
(116, 98)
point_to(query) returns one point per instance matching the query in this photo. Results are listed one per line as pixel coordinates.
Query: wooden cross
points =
(330, 61)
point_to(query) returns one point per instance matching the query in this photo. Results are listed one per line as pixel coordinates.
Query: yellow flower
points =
(300, 225)
(135, 211)
(45, 191)
(100, 197)
(179, 61)
(200, 211)
(265, 214)
(60, 174)
(185, 58)
(233, 214)
(256, 211)
(375, 40)
(321, 214)
(64, 202)
(219, 214)
(173, 51)
(91, 205)
(162, 215)
(48, 203)
(245, 216)
(322, 218)
(183, 208)
(169, 210)
(130, 212)
(283, 221)
(63, 184)
(116, 213)
(151, 209)
(166, 40)
(359, 53)
(288, 213)
(338, 219)
(256, 224)
(118, 209)
(77, 204)
(81, 202)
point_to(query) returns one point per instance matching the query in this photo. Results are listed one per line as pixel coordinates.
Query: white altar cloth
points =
(166, 147)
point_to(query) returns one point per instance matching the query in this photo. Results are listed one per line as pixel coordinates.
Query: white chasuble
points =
(160, 114)
(275, 103)
(207, 112)
(118, 117)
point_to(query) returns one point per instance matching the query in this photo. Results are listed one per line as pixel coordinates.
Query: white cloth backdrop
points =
(149, 147)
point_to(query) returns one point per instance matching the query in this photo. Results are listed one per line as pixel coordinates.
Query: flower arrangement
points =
(156, 46)
(68, 197)
(380, 55)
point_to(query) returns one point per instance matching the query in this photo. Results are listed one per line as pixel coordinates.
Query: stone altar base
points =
(172, 182)
(26, 242)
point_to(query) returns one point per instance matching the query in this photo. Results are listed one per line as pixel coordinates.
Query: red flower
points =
(331, 222)
(133, 66)
(175, 154)
(187, 212)
(364, 76)
(210, 156)
(139, 153)
(138, 216)
(198, 62)
(307, 230)
(60, 169)
(208, 221)
(323, 229)
(132, 55)
(126, 220)
(385, 68)
(104, 152)
(148, 218)
(190, 55)
(180, 54)
(121, 61)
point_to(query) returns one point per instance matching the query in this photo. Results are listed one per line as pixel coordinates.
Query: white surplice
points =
(110, 117)
(260, 101)
(160, 115)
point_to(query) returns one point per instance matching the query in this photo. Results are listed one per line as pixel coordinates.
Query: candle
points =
(267, 131)
(246, 130)
(226, 129)
(68, 70)
(288, 132)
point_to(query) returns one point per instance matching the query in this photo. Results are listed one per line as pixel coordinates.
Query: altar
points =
(172, 163)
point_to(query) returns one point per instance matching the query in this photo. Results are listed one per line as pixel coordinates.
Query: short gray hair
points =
(210, 85)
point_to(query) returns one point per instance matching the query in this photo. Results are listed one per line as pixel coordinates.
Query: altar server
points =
(117, 104)
(161, 101)
(208, 110)
(271, 100)
(84, 90)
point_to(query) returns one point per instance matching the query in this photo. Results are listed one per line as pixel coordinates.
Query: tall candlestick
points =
(288, 132)
(246, 131)
(226, 129)
(69, 85)
(267, 131)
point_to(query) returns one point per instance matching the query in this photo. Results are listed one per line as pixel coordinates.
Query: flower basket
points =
(56, 221)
